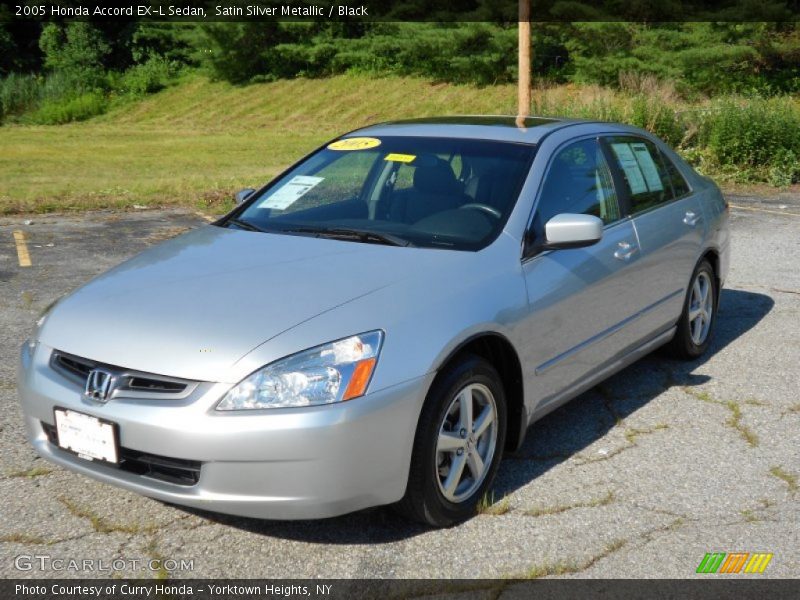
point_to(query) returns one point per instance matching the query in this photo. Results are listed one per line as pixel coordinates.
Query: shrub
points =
(79, 108)
(23, 94)
(708, 58)
(785, 169)
(754, 133)
(64, 96)
(146, 78)
(19, 93)
(651, 113)
(60, 86)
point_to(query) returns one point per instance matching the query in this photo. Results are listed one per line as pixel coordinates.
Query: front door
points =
(581, 300)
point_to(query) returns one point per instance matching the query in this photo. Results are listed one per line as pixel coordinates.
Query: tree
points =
(78, 50)
(6, 50)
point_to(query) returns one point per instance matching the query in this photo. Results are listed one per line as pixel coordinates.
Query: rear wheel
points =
(696, 324)
(458, 444)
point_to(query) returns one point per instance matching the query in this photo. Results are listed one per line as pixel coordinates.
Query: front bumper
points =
(304, 463)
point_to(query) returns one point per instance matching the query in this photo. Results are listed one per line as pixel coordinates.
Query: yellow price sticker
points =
(355, 143)
(403, 158)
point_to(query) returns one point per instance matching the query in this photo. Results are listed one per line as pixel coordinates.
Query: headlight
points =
(326, 374)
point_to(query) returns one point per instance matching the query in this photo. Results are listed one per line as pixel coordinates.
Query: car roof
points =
(501, 128)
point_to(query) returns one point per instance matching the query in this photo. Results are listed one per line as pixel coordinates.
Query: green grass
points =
(788, 478)
(632, 434)
(32, 472)
(605, 500)
(21, 538)
(196, 143)
(101, 524)
(488, 506)
(571, 567)
(735, 420)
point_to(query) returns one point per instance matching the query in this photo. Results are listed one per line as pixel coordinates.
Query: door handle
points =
(691, 219)
(625, 250)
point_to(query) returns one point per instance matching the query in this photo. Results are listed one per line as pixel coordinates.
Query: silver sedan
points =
(381, 322)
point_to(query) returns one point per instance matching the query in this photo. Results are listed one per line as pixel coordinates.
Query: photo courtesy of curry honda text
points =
(381, 322)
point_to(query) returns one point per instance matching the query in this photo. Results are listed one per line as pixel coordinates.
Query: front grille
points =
(146, 384)
(178, 471)
(131, 384)
(73, 364)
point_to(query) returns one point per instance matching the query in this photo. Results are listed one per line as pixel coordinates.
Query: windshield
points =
(429, 192)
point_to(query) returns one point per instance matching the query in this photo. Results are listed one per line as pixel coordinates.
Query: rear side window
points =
(642, 167)
(679, 186)
(578, 181)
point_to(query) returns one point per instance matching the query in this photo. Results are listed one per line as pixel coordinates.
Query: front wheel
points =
(458, 444)
(696, 323)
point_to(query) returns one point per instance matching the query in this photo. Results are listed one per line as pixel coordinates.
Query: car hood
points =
(193, 306)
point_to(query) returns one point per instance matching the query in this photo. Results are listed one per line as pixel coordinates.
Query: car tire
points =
(695, 326)
(442, 444)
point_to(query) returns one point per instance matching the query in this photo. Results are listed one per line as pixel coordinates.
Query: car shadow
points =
(582, 421)
(550, 441)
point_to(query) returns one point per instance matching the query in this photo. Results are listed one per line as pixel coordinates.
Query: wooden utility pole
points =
(524, 93)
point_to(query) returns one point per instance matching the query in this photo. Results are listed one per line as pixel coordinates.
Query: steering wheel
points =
(485, 208)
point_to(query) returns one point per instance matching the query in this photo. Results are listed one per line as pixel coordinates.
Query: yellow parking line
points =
(22, 249)
(764, 210)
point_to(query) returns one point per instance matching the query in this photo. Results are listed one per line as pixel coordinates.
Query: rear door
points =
(580, 300)
(669, 225)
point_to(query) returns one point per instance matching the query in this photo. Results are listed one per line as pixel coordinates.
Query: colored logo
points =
(736, 562)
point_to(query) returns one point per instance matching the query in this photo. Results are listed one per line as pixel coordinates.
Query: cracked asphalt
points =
(639, 477)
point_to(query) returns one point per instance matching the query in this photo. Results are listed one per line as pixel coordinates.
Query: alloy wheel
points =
(701, 308)
(467, 442)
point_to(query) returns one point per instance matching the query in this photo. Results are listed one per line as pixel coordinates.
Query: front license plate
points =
(87, 436)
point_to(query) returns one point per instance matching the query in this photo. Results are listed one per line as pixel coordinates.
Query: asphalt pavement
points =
(639, 477)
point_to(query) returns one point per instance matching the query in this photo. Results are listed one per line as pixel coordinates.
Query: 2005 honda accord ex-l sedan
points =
(381, 322)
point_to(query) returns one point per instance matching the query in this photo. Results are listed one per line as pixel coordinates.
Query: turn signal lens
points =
(360, 379)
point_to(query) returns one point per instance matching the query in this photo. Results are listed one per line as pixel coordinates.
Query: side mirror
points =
(243, 195)
(572, 231)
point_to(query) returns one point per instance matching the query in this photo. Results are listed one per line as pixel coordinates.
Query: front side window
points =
(641, 165)
(430, 192)
(578, 181)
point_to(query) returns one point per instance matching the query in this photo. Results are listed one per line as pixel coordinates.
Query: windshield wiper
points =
(245, 225)
(344, 233)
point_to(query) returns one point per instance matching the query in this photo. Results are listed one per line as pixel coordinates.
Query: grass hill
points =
(198, 142)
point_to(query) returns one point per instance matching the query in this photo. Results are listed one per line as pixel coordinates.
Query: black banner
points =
(339, 589)
(499, 11)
